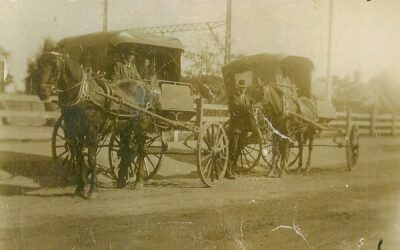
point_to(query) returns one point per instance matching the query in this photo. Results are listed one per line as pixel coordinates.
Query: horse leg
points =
(92, 155)
(125, 158)
(284, 152)
(275, 157)
(310, 148)
(81, 171)
(300, 139)
(141, 155)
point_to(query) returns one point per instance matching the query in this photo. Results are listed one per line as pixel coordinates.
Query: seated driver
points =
(125, 69)
(242, 122)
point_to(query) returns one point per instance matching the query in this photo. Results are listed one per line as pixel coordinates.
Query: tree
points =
(204, 72)
(380, 92)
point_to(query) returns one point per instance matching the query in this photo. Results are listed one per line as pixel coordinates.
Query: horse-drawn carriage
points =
(286, 111)
(76, 70)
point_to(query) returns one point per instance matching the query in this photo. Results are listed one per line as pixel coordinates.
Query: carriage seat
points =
(307, 108)
(176, 101)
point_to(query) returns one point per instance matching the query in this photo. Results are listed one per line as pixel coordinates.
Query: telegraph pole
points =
(105, 15)
(228, 30)
(328, 65)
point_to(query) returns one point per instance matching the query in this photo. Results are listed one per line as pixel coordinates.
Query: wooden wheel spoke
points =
(63, 153)
(206, 157)
(247, 160)
(151, 162)
(253, 148)
(207, 168)
(145, 166)
(250, 154)
(207, 143)
(60, 136)
(151, 140)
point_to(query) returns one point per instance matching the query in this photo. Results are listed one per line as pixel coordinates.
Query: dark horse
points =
(86, 113)
(284, 115)
(83, 121)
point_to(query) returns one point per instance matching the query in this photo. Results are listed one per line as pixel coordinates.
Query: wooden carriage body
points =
(158, 60)
(292, 75)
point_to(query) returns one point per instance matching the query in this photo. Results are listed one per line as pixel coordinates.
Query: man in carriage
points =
(125, 68)
(242, 123)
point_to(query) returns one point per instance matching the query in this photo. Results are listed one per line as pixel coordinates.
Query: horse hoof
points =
(92, 196)
(138, 185)
(121, 182)
(79, 192)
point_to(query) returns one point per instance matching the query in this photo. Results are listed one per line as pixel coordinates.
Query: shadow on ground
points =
(21, 172)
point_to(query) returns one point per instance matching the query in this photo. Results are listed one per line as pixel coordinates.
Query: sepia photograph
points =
(188, 124)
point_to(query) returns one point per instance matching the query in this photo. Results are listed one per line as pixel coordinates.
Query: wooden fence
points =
(30, 108)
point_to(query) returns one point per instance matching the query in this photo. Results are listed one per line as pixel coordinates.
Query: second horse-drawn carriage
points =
(286, 112)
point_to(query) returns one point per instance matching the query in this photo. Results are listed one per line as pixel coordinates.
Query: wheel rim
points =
(352, 148)
(293, 154)
(249, 157)
(61, 152)
(212, 154)
(155, 149)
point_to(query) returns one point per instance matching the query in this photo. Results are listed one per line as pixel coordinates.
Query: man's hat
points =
(242, 84)
(130, 51)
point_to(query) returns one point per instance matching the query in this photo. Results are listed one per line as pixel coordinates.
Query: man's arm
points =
(136, 74)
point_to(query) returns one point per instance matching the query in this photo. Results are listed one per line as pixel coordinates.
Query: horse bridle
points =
(53, 87)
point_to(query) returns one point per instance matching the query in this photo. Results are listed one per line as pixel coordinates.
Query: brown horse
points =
(83, 121)
(278, 110)
(87, 114)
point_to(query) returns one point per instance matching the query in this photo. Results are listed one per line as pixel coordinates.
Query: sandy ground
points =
(326, 208)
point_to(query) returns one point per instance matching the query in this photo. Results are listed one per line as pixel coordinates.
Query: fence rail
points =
(29, 108)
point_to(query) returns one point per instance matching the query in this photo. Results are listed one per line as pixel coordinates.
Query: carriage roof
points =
(267, 67)
(101, 47)
(115, 38)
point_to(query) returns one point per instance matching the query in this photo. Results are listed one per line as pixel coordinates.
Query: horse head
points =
(49, 68)
(268, 97)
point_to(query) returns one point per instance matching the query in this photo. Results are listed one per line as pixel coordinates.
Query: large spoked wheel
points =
(212, 153)
(62, 152)
(155, 149)
(294, 154)
(352, 148)
(249, 157)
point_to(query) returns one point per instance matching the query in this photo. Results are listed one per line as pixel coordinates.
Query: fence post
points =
(199, 112)
(348, 119)
(393, 132)
(372, 121)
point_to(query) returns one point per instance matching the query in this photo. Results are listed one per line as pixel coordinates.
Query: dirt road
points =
(326, 208)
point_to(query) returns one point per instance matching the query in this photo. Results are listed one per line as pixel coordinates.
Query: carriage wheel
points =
(155, 148)
(212, 153)
(352, 148)
(294, 154)
(249, 157)
(62, 153)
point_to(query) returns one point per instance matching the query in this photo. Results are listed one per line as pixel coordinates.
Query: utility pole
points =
(328, 65)
(228, 30)
(105, 15)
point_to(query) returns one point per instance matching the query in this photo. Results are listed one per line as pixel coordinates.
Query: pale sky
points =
(365, 36)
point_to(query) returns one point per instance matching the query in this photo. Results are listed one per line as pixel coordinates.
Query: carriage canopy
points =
(278, 69)
(158, 57)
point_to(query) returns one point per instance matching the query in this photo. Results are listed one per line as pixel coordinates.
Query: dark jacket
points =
(242, 117)
(121, 71)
